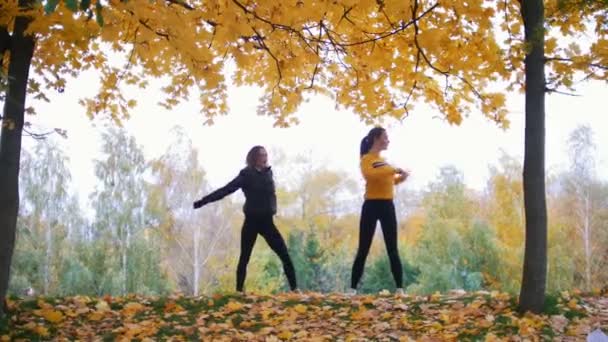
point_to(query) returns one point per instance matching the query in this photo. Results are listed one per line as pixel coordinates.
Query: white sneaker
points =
(399, 292)
(351, 292)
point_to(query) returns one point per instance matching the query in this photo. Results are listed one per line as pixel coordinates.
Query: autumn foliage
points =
(377, 58)
(458, 316)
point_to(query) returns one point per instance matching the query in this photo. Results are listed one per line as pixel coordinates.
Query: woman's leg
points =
(367, 227)
(274, 239)
(248, 237)
(388, 220)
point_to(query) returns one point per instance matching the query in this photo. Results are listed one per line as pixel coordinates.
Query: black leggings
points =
(372, 211)
(264, 226)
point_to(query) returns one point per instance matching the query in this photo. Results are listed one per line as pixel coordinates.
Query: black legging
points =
(264, 226)
(372, 211)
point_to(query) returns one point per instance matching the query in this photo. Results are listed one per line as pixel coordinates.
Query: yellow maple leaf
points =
(300, 308)
(5, 338)
(42, 331)
(265, 313)
(572, 304)
(490, 337)
(132, 308)
(435, 297)
(359, 314)
(285, 335)
(233, 306)
(10, 304)
(95, 316)
(170, 306)
(53, 316)
(43, 305)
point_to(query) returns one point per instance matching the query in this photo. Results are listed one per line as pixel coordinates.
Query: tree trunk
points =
(587, 239)
(197, 264)
(125, 262)
(532, 295)
(21, 50)
(5, 40)
(47, 260)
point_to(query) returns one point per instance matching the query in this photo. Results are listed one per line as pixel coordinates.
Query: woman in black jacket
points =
(260, 206)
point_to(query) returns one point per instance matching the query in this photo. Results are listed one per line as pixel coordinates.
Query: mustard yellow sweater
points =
(380, 177)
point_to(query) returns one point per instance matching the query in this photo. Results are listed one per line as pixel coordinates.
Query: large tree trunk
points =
(5, 39)
(532, 295)
(21, 50)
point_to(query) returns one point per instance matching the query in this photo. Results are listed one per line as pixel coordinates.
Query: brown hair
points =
(368, 141)
(252, 155)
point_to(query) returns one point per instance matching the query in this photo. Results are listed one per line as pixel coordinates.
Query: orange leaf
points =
(300, 308)
(53, 316)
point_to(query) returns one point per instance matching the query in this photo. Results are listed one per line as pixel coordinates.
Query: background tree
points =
(584, 201)
(198, 242)
(48, 218)
(120, 216)
(505, 213)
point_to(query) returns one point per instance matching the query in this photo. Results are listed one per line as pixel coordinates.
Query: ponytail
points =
(366, 145)
(368, 141)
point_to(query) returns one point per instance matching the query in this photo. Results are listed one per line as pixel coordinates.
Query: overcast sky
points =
(422, 142)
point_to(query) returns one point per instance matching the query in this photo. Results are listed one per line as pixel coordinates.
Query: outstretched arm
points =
(222, 192)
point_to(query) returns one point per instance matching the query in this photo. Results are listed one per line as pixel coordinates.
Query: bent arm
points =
(400, 178)
(375, 169)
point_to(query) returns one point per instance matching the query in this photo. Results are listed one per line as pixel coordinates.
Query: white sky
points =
(420, 143)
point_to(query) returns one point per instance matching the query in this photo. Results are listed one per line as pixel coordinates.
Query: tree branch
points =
(276, 60)
(181, 3)
(403, 27)
(130, 60)
(41, 136)
(314, 73)
(554, 90)
(509, 33)
(428, 62)
(416, 31)
(409, 95)
(561, 59)
(158, 33)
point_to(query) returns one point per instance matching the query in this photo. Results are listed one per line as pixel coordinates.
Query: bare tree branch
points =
(41, 136)
(314, 73)
(509, 33)
(276, 60)
(181, 3)
(144, 23)
(554, 90)
(409, 95)
(561, 59)
(403, 27)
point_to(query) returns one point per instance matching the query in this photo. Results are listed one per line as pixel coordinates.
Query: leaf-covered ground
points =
(480, 316)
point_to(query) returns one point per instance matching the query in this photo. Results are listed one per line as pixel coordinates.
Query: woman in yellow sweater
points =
(380, 180)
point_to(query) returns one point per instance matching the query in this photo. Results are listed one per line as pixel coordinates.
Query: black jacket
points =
(258, 187)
